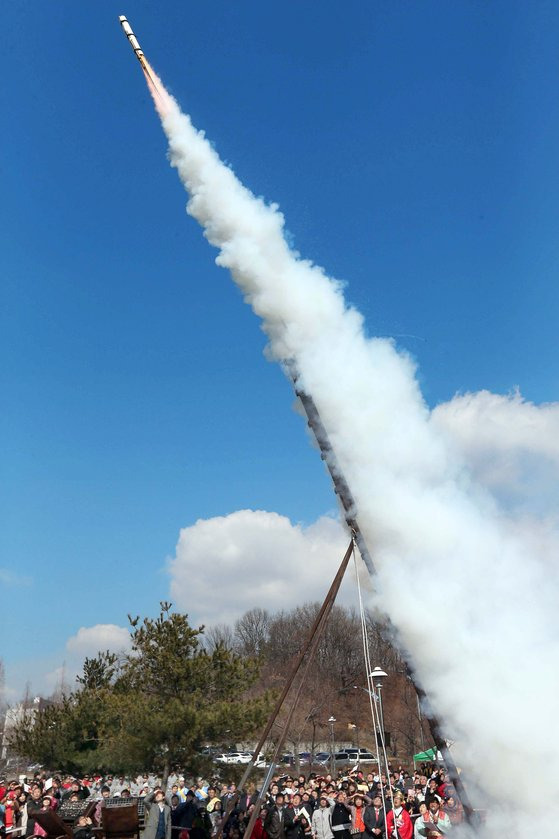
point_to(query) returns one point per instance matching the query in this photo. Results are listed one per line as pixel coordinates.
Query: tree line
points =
(181, 688)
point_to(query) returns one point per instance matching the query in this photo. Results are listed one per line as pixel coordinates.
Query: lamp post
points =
(376, 678)
(331, 722)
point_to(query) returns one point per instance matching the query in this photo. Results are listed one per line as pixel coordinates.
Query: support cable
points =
(378, 727)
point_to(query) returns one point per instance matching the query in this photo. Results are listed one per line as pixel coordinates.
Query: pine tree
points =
(154, 709)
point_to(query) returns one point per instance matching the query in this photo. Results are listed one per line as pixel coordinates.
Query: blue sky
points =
(413, 150)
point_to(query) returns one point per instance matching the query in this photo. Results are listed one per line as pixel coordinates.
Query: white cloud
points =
(229, 564)
(511, 445)
(89, 640)
(64, 663)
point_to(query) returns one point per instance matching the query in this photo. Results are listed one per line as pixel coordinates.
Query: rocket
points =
(138, 51)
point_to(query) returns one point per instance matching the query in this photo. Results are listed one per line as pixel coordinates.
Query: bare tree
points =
(252, 631)
(219, 635)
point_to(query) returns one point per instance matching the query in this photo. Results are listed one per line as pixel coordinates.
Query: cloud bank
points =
(89, 640)
(228, 564)
(510, 445)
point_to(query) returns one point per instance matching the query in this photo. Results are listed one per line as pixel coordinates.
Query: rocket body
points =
(127, 29)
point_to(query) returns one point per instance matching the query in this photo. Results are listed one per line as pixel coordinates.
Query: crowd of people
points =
(353, 805)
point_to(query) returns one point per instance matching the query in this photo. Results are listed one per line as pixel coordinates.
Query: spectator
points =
(398, 821)
(358, 804)
(229, 793)
(10, 809)
(454, 810)
(158, 816)
(374, 818)
(178, 808)
(84, 828)
(341, 817)
(308, 803)
(434, 823)
(33, 805)
(202, 790)
(46, 807)
(321, 822)
(431, 793)
(201, 824)
(190, 811)
(215, 815)
(279, 820)
(212, 800)
(423, 809)
(412, 803)
(76, 789)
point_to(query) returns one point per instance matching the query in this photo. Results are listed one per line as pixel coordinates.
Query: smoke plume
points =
(472, 592)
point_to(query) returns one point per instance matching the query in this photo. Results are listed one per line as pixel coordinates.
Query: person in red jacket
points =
(398, 822)
(258, 831)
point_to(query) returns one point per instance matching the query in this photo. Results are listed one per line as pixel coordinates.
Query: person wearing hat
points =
(433, 824)
(374, 818)
(398, 822)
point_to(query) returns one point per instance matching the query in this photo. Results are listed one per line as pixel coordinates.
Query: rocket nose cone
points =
(122, 19)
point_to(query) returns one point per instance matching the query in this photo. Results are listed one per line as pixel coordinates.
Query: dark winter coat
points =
(276, 825)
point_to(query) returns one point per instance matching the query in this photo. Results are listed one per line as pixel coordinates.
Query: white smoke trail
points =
(475, 604)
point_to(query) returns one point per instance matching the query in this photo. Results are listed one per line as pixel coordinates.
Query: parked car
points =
(240, 757)
(367, 757)
(225, 757)
(322, 758)
(353, 756)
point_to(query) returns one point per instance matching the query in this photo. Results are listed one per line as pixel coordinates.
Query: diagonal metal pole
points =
(329, 602)
(347, 501)
(314, 634)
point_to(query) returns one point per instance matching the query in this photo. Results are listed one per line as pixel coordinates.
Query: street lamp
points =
(331, 721)
(376, 678)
